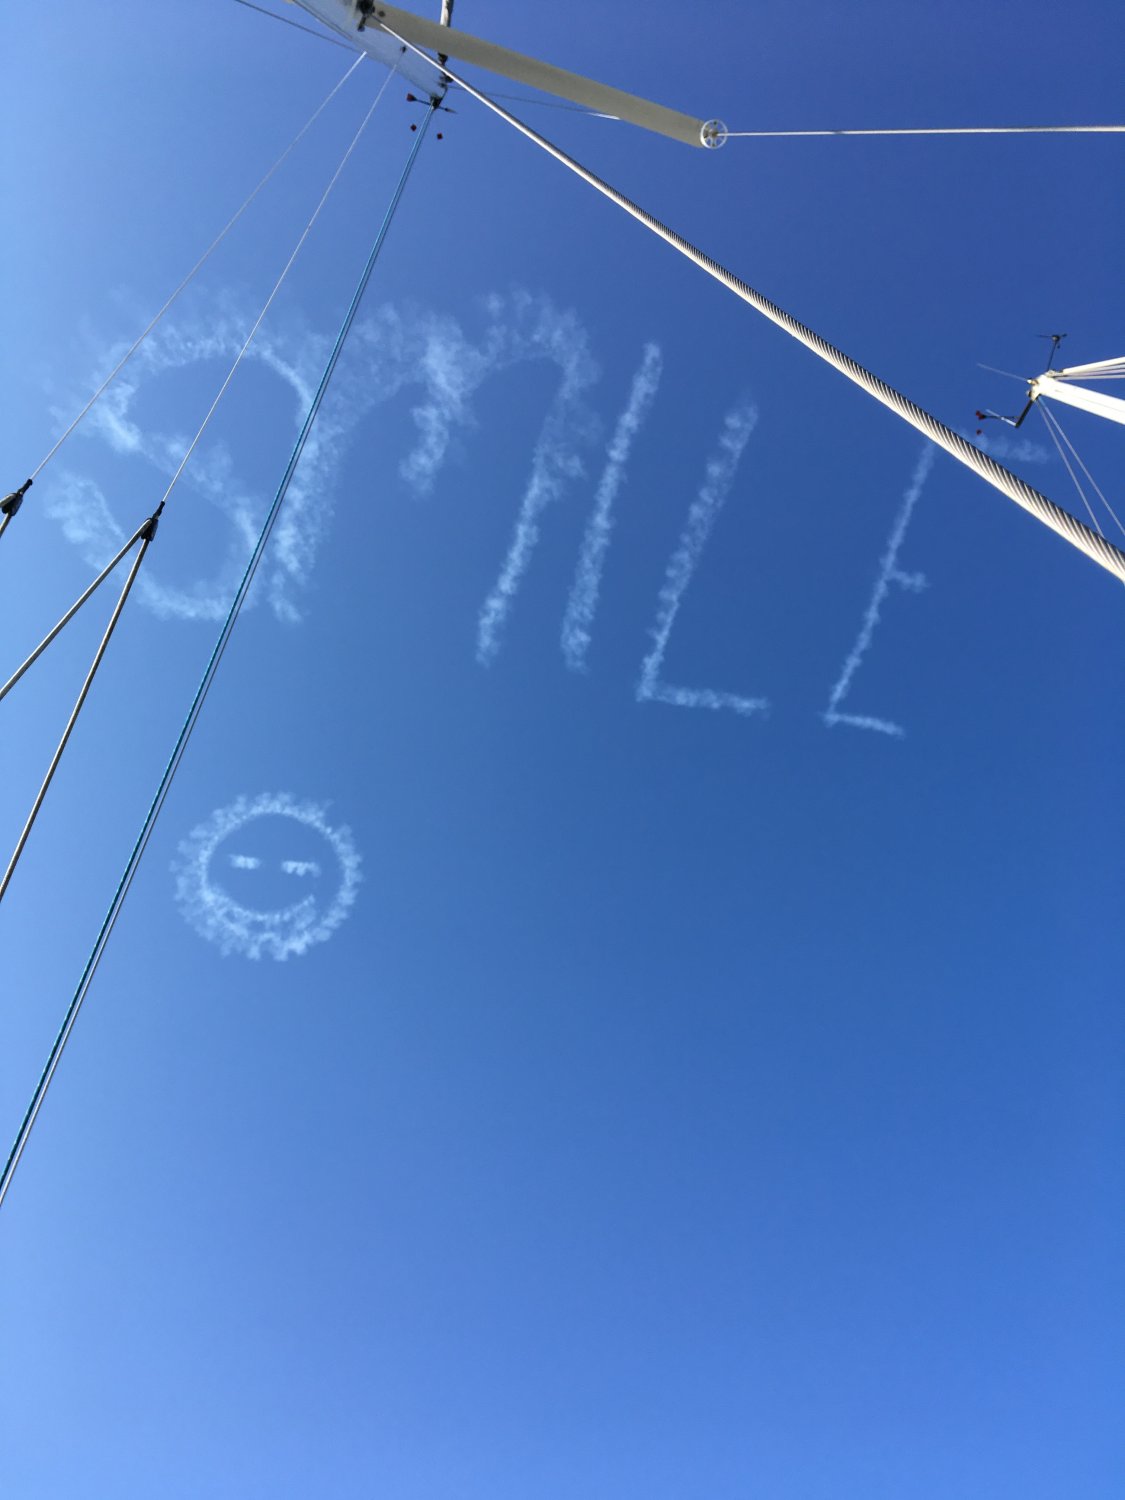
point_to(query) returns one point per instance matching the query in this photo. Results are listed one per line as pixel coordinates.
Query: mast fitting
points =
(11, 503)
(148, 530)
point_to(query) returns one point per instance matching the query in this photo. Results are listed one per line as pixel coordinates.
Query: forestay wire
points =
(1060, 521)
(165, 783)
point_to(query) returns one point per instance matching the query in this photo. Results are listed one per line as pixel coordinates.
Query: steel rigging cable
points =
(202, 690)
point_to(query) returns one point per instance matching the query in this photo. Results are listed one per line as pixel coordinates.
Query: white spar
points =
(345, 16)
(1056, 385)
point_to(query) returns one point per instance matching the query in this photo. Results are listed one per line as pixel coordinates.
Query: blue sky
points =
(690, 1102)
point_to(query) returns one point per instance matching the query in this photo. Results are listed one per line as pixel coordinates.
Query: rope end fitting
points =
(11, 503)
(148, 530)
(713, 135)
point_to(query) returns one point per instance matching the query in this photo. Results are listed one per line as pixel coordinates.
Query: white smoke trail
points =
(555, 461)
(408, 346)
(1009, 450)
(389, 352)
(738, 424)
(280, 934)
(81, 509)
(397, 347)
(78, 503)
(583, 602)
(889, 572)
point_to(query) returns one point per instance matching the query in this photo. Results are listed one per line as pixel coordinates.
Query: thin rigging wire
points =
(940, 130)
(1053, 421)
(147, 532)
(211, 248)
(276, 288)
(1023, 380)
(1061, 521)
(1074, 477)
(87, 593)
(297, 26)
(202, 690)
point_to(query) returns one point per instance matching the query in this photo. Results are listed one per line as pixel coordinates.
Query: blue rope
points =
(208, 676)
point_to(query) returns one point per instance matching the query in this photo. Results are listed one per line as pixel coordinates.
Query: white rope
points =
(941, 130)
(1053, 426)
(276, 288)
(211, 248)
(1060, 521)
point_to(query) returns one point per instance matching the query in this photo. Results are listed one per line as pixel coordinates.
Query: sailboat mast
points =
(446, 20)
(1056, 385)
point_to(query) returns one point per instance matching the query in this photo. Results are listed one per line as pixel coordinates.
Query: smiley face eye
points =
(300, 867)
(244, 861)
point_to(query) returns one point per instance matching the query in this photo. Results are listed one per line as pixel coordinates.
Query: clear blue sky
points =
(691, 1103)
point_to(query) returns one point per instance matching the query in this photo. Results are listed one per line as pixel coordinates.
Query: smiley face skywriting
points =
(267, 876)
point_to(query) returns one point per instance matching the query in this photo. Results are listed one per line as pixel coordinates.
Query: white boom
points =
(1056, 384)
(1112, 407)
(346, 16)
